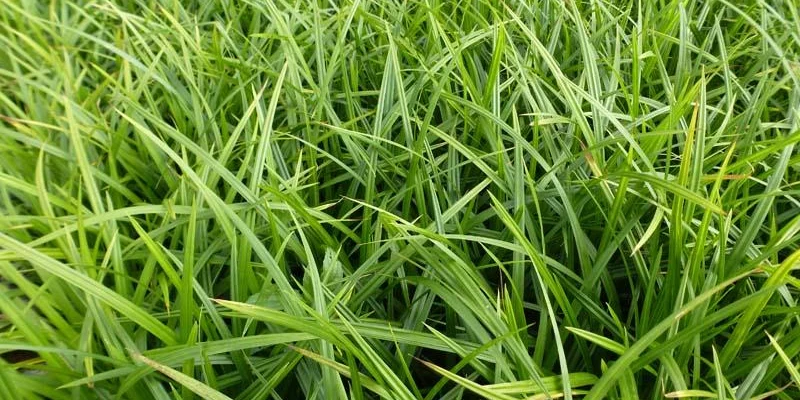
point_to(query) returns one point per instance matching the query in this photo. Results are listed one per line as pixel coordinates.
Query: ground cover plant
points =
(419, 199)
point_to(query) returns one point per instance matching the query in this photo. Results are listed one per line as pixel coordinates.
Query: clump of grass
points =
(399, 199)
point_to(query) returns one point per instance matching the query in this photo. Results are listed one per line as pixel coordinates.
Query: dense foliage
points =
(392, 199)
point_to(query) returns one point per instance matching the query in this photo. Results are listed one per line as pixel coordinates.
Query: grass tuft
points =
(417, 199)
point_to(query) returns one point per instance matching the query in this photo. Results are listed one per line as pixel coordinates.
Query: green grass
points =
(425, 199)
